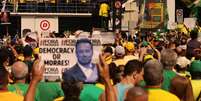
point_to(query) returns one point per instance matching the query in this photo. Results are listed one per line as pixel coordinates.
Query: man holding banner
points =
(84, 70)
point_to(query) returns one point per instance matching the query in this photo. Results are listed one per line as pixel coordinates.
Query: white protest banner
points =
(59, 54)
(190, 22)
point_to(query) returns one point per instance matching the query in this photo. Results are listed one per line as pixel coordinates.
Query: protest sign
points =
(190, 22)
(59, 54)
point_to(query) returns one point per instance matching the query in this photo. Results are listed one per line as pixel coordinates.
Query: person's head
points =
(72, 90)
(153, 73)
(124, 36)
(134, 69)
(25, 31)
(182, 64)
(180, 51)
(183, 41)
(27, 51)
(137, 94)
(172, 44)
(3, 78)
(130, 47)
(4, 57)
(84, 51)
(19, 70)
(119, 51)
(181, 87)
(197, 53)
(195, 70)
(116, 72)
(108, 51)
(168, 58)
(194, 34)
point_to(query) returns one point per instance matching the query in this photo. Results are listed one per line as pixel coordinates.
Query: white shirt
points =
(89, 73)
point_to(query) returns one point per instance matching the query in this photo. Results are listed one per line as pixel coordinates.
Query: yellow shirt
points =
(119, 62)
(104, 8)
(196, 85)
(182, 28)
(130, 57)
(9, 96)
(157, 94)
(108, 60)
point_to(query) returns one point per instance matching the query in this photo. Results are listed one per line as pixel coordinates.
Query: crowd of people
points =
(136, 67)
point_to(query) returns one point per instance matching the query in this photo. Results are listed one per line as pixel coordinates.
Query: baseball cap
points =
(195, 66)
(183, 62)
(145, 43)
(147, 57)
(129, 46)
(119, 51)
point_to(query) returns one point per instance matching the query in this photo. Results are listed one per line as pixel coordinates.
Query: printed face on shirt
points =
(84, 53)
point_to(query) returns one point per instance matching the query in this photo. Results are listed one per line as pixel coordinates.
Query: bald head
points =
(137, 94)
(19, 70)
(153, 73)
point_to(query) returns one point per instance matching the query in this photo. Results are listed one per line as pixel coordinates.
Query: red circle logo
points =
(117, 4)
(44, 25)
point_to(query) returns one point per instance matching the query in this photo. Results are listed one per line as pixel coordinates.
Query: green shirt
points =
(168, 75)
(21, 89)
(48, 91)
(90, 92)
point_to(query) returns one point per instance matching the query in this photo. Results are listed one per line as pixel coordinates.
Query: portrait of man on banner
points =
(84, 70)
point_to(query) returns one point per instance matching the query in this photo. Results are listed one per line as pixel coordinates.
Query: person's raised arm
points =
(104, 73)
(143, 51)
(37, 75)
(156, 50)
(13, 50)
